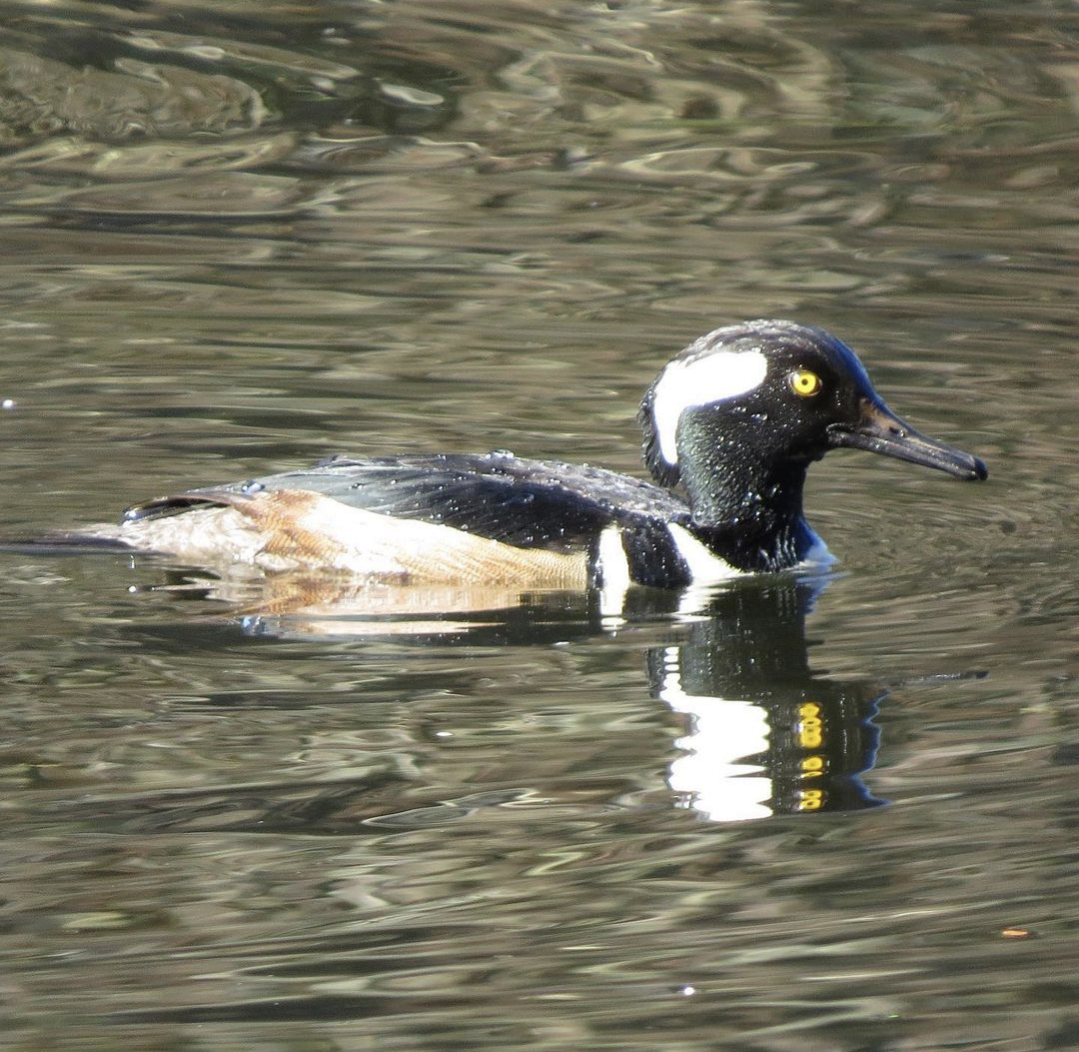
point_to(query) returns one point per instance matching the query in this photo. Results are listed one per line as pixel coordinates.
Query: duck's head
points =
(740, 414)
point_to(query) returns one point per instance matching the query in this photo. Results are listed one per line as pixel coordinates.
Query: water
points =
(240, 237)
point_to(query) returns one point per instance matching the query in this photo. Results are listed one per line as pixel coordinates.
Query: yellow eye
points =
(805, 383)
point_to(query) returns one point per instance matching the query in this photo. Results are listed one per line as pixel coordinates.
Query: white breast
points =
(704, 567)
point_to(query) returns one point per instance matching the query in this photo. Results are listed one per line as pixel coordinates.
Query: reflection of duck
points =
(735, 420)
(745, 655)
(763, 735)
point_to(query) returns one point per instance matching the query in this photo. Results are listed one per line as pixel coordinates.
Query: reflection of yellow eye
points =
(805, 383)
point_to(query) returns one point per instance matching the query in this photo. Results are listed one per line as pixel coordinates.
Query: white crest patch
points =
(713, 378)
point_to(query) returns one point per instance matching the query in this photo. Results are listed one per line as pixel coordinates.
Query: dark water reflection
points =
(241, 236)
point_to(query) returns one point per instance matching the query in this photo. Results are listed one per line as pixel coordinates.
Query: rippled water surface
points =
(820, 815)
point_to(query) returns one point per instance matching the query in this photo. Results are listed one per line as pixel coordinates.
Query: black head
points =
(740, 414)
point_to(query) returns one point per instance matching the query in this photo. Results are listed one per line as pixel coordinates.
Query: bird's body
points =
(494, 518)
(731, 426)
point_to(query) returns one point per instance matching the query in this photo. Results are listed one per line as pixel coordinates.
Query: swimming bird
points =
(730, 425)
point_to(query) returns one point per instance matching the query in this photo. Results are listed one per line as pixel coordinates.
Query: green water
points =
(238, 237)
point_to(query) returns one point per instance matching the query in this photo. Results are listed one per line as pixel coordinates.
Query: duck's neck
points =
(751, 519)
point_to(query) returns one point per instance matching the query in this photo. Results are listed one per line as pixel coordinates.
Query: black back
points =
(527, 503)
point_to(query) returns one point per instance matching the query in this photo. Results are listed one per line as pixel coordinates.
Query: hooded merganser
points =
(731, 426)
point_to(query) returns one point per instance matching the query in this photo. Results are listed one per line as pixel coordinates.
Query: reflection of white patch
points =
(704, 567)
(612, 567)
(713, 378)
(721, 733)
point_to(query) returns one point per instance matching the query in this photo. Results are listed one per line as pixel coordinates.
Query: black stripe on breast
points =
(653, 556)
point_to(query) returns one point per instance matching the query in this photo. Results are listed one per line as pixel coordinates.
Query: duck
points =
(730, 427)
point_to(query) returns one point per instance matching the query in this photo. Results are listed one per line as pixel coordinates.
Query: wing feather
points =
(527, 503)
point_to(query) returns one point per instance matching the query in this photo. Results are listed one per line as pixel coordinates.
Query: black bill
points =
(880, 431)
